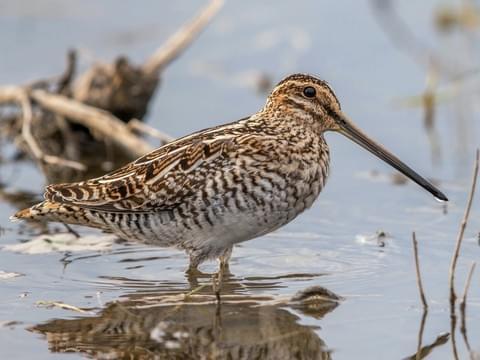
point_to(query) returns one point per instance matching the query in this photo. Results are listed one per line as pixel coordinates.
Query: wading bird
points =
(210, 190)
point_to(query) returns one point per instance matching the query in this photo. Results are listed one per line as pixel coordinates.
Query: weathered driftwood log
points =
(101, 123)
(104, 126)
(68, 125)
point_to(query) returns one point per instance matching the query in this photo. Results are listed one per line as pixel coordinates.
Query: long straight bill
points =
(356, 135)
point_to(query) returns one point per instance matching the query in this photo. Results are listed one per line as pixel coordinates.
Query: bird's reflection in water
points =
(177, 326)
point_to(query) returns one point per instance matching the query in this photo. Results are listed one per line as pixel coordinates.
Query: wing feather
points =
(157, 181)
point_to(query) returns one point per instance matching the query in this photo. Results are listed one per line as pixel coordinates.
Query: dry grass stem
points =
(463, 305)
(420, 334)
(463, 302)
(456, 253)
(417, 270)
(461, 232)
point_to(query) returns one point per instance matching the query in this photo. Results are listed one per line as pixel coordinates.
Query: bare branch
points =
(140, 126)
(9, 94)
(417, 270)
(181, 39)
(463, 225)
(99, 121)
(20, 96)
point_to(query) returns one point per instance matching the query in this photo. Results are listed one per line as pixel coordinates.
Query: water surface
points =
(331, 245)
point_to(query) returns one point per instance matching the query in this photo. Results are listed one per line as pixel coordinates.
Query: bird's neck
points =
(292, 126)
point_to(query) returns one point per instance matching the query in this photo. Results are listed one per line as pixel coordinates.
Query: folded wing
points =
(158, 181)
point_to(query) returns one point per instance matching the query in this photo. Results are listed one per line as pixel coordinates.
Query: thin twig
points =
(463, 305)
(62, 81)
(417, 270)
(140, 126)
(422, 296)
(62, 305)
(463, 225)
(181, 39)
(66, 78)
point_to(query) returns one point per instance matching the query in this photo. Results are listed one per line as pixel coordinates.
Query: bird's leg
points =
(217, 278)
(217, 284)
(194, 262)
(225, 258)
(71, 231)
(192, 272)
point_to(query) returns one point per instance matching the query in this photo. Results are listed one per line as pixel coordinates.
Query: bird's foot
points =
(217, 279)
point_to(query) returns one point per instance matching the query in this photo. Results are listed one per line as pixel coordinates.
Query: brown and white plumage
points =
(210, 190)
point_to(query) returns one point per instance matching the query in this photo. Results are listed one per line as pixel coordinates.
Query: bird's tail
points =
(53, 211)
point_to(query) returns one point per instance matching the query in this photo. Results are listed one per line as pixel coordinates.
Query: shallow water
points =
(331, 245)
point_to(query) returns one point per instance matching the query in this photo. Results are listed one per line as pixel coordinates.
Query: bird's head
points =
(309, 98)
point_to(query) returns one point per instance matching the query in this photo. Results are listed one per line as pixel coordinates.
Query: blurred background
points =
(406, 72)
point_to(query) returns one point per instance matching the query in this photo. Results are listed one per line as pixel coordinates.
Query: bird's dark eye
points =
(309, 92)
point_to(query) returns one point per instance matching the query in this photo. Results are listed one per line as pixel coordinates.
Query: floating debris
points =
(61, 305)
(9, 324)
(316, 294)
(399, 179)
(9, 275)
(379, 238)
(427, 349)
(315, 301)
(62, 242)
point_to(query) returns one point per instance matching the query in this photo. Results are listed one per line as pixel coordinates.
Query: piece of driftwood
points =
(71, 124)
(37, 132)
(100, 122)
